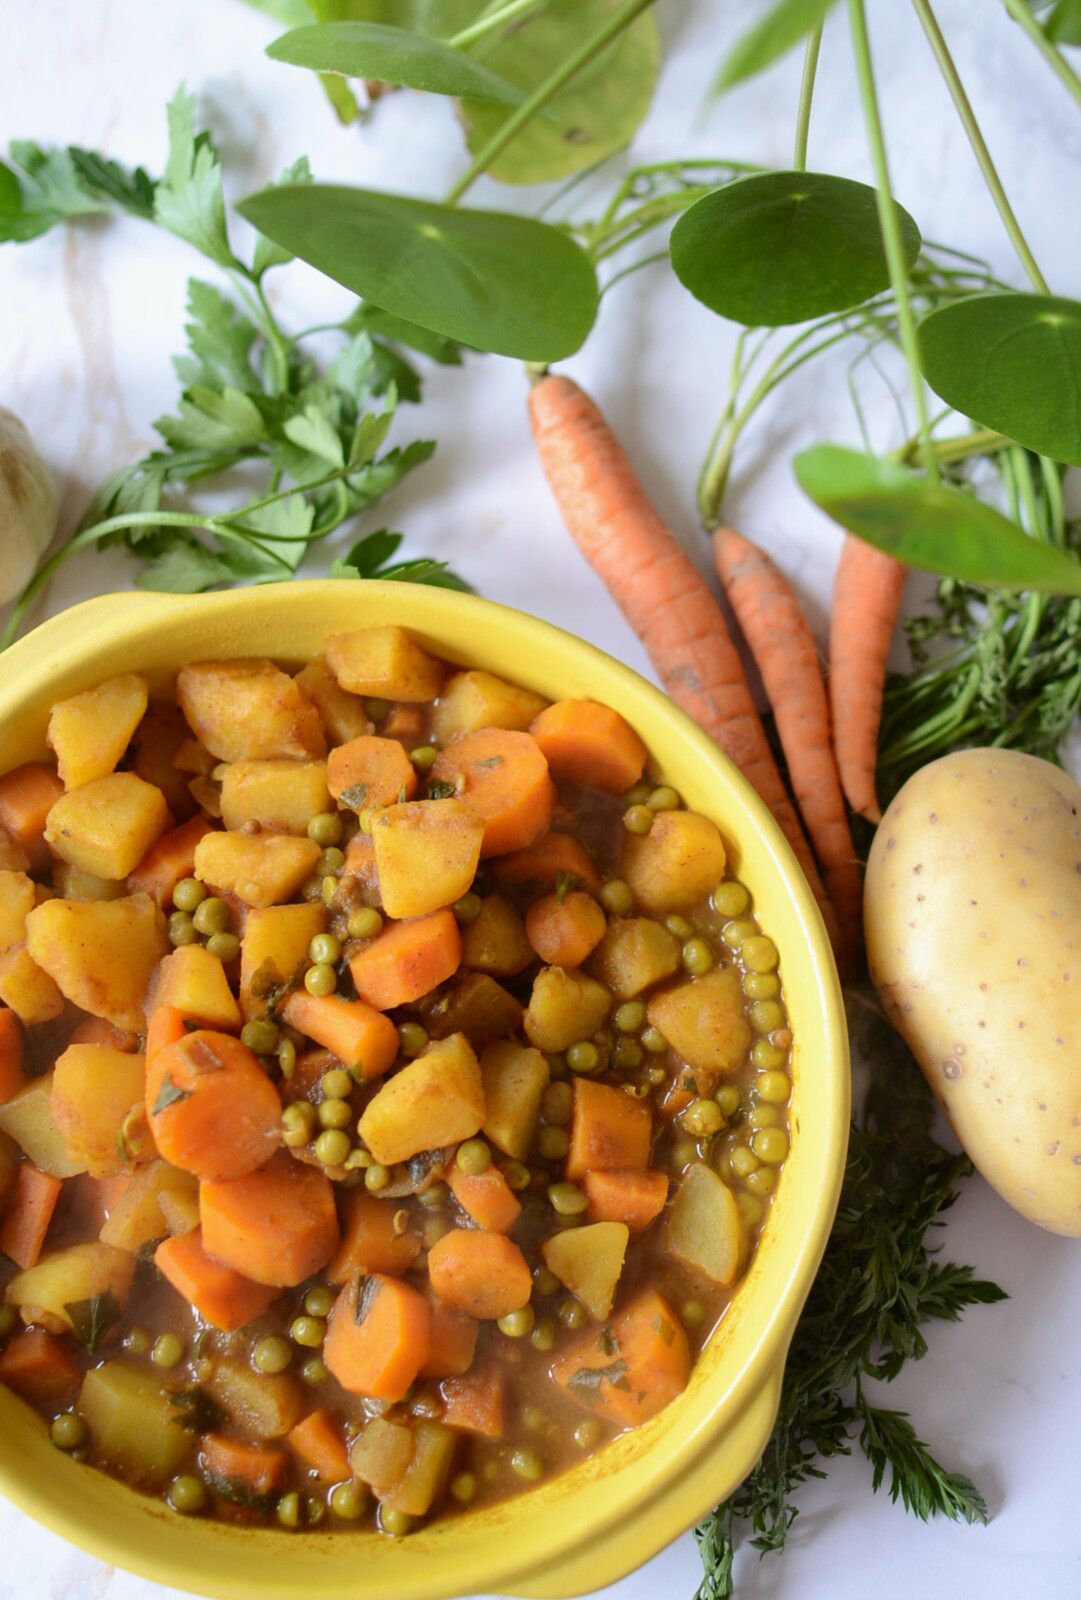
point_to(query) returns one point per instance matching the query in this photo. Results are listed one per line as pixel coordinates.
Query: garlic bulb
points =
(28, 506)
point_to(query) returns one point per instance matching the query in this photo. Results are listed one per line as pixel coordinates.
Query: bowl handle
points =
(37, 647)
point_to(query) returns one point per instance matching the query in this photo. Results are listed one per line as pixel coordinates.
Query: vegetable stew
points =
(393, 1083)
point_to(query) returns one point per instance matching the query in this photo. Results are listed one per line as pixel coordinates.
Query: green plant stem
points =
(891, 230)
(496, 19)
(1019, 11)
(806, 95)
(959, 447)
(545, 92)
(947, 67)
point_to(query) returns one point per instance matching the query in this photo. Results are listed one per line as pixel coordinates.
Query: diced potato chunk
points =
(68, 1277)
(343, 714)
(249, 711)
(137, 1217)
(95, 1087)
(107, 826)
(179, 1210)
(28, 1119)
(474, 700)
(703, 1021)
(676, 864)
(17, 900)
(384, 662)
(9, 1168)
(564, 1007)
(71, 883)
(194, 981)
(281, 796)
(274, 951)
(634, 954)
(13, 858)
(495, 941)
(436, 1100)
(157, 740)
(588, 1261)
(26, 989)
(91, 731)
(261, 871)
(515, 1078)
(423, 1480)
(475, 1005)
(132, 1422)
(426, 853)
(705, 1226)
(258, 1405)
(100, 953)
(382, 1453)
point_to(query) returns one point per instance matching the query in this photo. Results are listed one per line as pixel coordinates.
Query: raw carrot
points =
(39, 1367)
(220, 1295)
(12, 1076)
(27, 795)
(786, 655)
(501, 775)
(633, 1196)
(319, 1443)
(407, 960)
(371, 1241)
(276, 1226)
(378, 1337)
(452, 1341)
(212, 1109)
(370, 771)
(555, 857)
(247, 1472)
(641, 1362)
(487, 1197)
(29, 1213)
(866, 600)
(660, 591)
(565, 929)
(610, 1130)
(171, 858)
(482, 1274)
(362, 1038)
(477, 1402)
(587, 743)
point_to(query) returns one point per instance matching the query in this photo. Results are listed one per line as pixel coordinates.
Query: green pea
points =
(616, 897)
(773, 1087)
(288, 1510)
(68, 1432)
(261, 1035)
(730, 899)
(639, 794)
(638, 819)
(630, 1017)
(463, 1487)
(762, 1115)
(434, 1228)
(325, 829)
(328, 890)
(188, 894)
(545, 1281)
(527, 1464)
(557, 1104)
(759, 954)
(349, 1501)
(543, 1336)
(533, 1418)
(325, 950)
(703, 1118)
(750, 1206)
(424, 757)
(557, 1065)
(412, 1038)
(697, 957)
(761, 985)
(566, 1199)
(226, 946)
(168, 1351)
(572, 1313)
(314, 1371)
(743, 1161)
(336, 1084)
(516, 1324)
(377, 708)
(664, 799)
(654, 1041)
(770, 1145)
(583, 1056)
(212, 916)
(9, 1321)
(309, 1332)
(474, 1157)
(298, 1124)
(436, 1194)
(693, 1313)
(334, 1114)
(734, 933)
(679, 927)
(683, 1153)
(181, 929)
(467, 909)
(553, 1143)
(766, 1056)
(287, 1058)
(376, 1177)
(187, 1495)
(587, 1433)
(319, 1301)
(321, 979)
(331, 861)
(364, 923)
(762, 1180)
(395, 1523)
(627, 1053)
(137, 1340)
(271, 1354)
(727, 1097)
(655, 1076)
(332, 1147)
(517, 1174)
(766, 1015)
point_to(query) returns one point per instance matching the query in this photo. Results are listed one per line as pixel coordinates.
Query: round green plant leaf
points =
(496, 282)
(937, 527)
(595, 115)
(391, 55)
(1011, 362)
(782, 247)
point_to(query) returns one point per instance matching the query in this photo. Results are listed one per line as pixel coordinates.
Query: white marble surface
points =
(89, 319)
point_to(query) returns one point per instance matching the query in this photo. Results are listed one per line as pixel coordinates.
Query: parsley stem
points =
(806, 95)
(484, 25)
(948, 69)
(546, 91)
(1019, 11)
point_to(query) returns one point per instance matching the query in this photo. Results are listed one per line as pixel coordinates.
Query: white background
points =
(87, 322)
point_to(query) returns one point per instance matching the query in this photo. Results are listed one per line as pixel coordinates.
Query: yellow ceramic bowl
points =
(601, 1520)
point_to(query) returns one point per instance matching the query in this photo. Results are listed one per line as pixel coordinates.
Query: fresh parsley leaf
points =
(220, 340)
(354, 796)
(587, 1380)
(312, 431)
(372, 560)
(267, 254)
(436, 346)
(189, 199)
(40, 190)
(196, 1410)
(131, 189)
(91, 1319)
(213, 419)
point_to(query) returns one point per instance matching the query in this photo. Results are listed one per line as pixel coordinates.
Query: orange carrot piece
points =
(212, 1109)
(378, 1337)
(675, 1099)
(360, 864)
(95, 1030)
(644, 1357)
(12, 1076)
(487, 1197)
(276, 1226)
(565, 930)
(251, 1472)
(29, 1213)
(220, 1295)
(39, 1367)
(591, 744)
(167, 861)
(786, 655)
(370, 771)
(405, 722)
(167, 1026)
(659, 590)
(362, 1038)
(370, 1242)
(610, 1129)
(319, 1443)
(477, 1402)
(482, 1274)
(555, 858)
(502, 776)
(634, 1197)
(27, 795)
(452, 1341)
(866, 600)
(407, 960)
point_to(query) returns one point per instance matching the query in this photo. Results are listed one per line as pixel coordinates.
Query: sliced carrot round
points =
(503, 777)
(591, 744)
(483, 1274)
(370, 771)
(565, 931)
(212, 1109)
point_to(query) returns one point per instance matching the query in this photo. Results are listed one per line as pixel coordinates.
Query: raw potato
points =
(588, 1261)
(68, 1276)
(384, 662)
(426, 854)
(95, 1088)
(91, 731)
(515, 1078)
(564, 1007)
(705, 1226)
(100, 953)
(973, 921)
(249, 711)
(679, 862)
(703, 1021)
(28, 1119)
(261, 871)
(132, 1421)
(107, 826)
(475, 700)
(436, 1100)
(281, 796)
